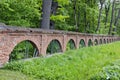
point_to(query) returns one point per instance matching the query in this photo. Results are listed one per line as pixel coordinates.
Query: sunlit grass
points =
(12, 75)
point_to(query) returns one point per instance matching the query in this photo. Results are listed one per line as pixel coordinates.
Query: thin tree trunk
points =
(116, 20)
(107, 8)
(112, 17)
(99, 18)
(78, 24)
(106, 20)
(46, 8)
(75, 15)
(85, 21)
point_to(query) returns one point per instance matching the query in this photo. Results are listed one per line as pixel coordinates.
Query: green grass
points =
(12, 75)
(82, 64)
(109, 72)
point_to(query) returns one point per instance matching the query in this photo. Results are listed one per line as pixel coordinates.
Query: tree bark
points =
(75, 15)
(99, 18)
(116, 21)
(54, 8)
(112, 17)
(85, 21)
(106, 13)
(46, 9)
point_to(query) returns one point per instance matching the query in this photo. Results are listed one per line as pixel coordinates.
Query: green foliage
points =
(70, 45)
(80, 64)
(22, 51)
(82, 44)
(54, 47)
(20, 13)
(28, 13)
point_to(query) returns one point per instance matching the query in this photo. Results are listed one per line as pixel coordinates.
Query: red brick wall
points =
(41, 39)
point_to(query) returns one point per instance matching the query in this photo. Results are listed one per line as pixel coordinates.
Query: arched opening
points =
(90, 43)
(70, 45)
(54, 47)
(110, 40)
(104, 41)
(107, 40)
(82, 43)
(23, 50)
(96, 42)
(100, 41)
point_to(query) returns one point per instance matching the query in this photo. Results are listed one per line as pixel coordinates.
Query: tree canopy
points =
(85, 16)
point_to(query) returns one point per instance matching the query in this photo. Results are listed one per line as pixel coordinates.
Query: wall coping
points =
(18, 29)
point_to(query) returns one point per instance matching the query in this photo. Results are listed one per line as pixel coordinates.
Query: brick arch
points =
(19, 41)
(73, 43)
(100, 41)
(31, 42)
(96, 42)
(112, 40)
(83, 42)
(104, 41)
(107, 40)
(90, 40)
(49, 40)
(59, 42)
(11, 41)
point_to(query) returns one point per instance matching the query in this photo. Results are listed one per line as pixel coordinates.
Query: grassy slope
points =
(73, 65)
(13, 75)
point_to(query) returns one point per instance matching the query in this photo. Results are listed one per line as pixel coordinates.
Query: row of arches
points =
(27, 49)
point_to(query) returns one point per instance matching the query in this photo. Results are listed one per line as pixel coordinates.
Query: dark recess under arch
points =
(96, 42)
(70, 45)
(90, 43)
(82, 43)
(54, 47)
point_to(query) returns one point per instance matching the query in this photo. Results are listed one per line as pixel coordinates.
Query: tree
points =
(117, 14)
(20, 12)
(46, 11)
(107, 9)
(100, 12)
(112, 17)
(116, 20)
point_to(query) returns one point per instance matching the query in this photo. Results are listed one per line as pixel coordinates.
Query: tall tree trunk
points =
(78, 24)
(112, 17)
(54, 8)
(46, 8)
(107, 8)
(99, 18)
(85, 21)
(106, 20)
(116, 20)
(75, 15)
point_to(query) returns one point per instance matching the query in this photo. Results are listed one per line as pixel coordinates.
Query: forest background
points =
(84, 16)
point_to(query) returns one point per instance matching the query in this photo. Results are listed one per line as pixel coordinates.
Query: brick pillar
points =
(43, 45)
(77, 42)
(86, 41)
(64, 42)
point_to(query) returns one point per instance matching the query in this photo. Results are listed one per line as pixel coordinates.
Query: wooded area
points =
(85, 16)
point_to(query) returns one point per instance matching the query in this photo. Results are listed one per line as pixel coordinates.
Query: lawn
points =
(13, 75)
(82, 64)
